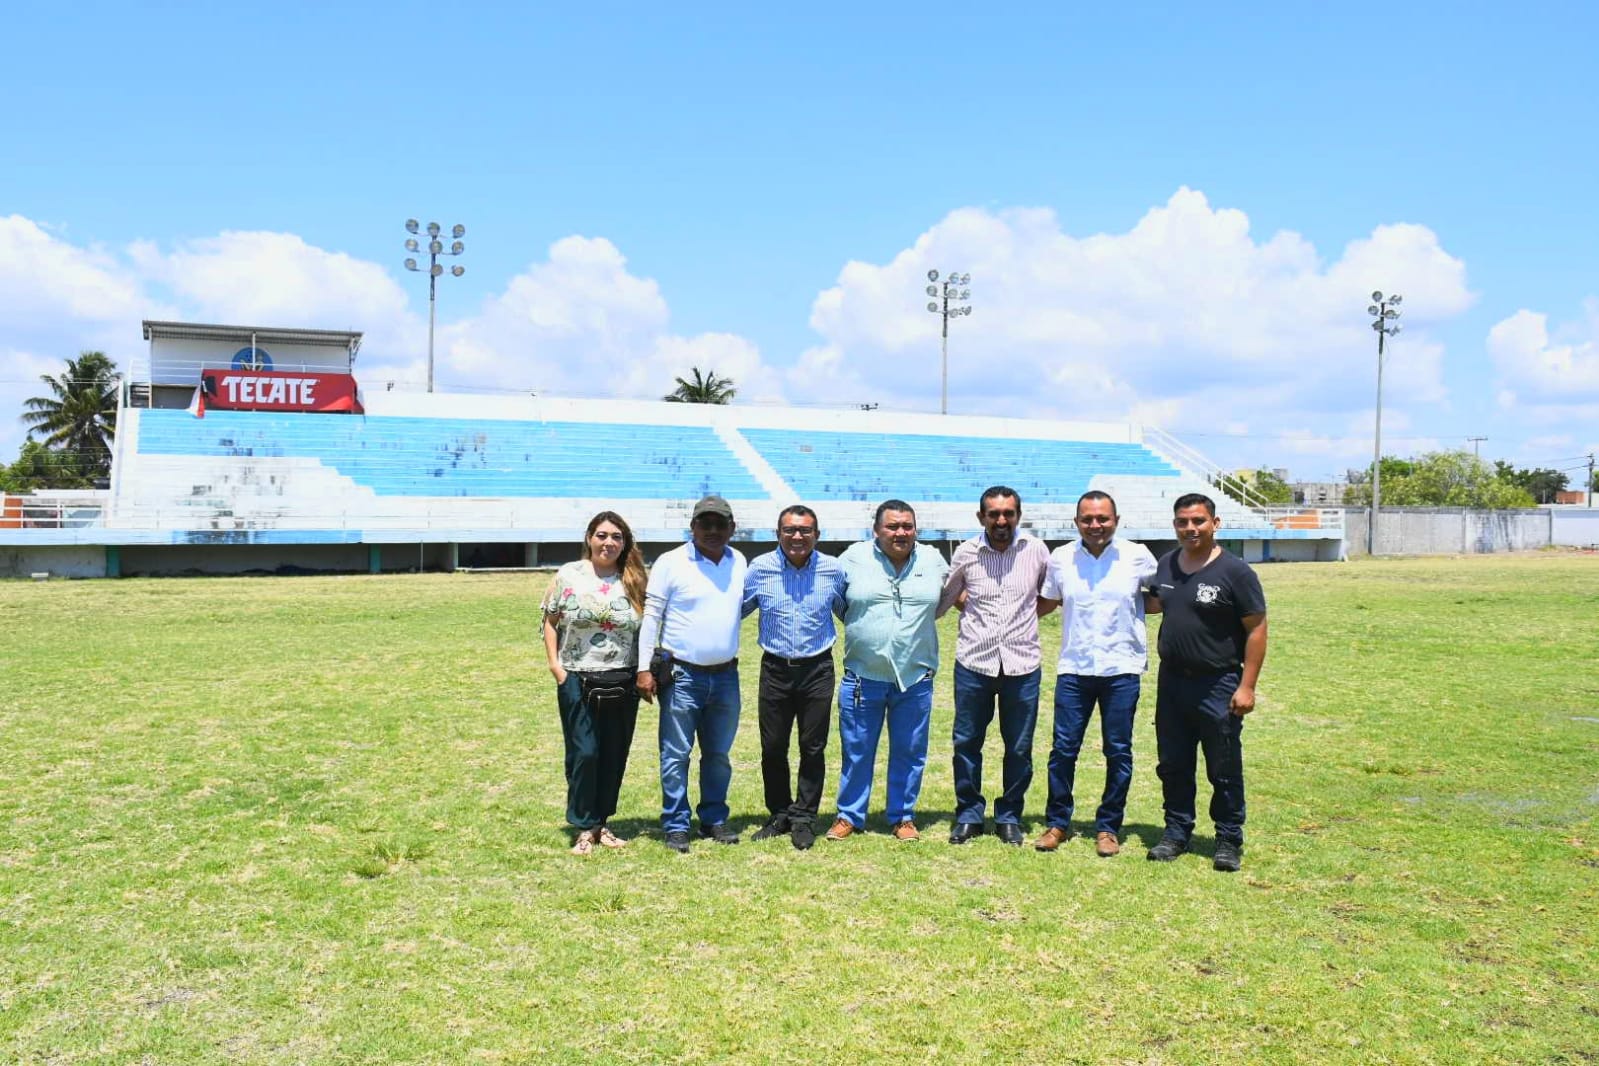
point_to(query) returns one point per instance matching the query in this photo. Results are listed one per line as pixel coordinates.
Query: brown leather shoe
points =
(840, 830)
(906, 830)
(1107, 845)
(1052, 839)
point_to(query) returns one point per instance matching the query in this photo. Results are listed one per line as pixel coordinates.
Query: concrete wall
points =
(63, 560)
(1576, 527)
(1448, 531)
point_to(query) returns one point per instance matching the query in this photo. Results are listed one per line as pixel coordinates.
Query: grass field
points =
(320, 820)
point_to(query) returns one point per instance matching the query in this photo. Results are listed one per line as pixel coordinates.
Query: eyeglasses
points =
(797, 531)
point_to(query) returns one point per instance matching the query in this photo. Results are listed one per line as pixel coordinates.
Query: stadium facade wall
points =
(1462, 531)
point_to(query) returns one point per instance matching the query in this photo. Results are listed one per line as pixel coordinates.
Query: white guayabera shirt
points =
(1102, 607)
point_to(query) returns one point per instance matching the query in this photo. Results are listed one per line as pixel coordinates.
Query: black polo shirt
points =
(1202, 613)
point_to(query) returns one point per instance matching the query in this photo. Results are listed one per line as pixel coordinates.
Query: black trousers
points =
(795, 692)
(1191, 715)
(598, 735)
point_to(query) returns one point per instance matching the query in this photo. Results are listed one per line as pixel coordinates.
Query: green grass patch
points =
(320, 820)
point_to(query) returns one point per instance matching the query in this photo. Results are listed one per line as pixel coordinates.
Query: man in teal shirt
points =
(889, 606)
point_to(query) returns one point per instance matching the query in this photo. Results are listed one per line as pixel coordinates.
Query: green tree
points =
(703, 389)
(37, 467)
(79, 417)
(1445, 479)
(1541, 483)
(1269, 487)
(1359, 492)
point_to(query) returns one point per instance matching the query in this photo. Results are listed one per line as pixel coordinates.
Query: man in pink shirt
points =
(999, 573)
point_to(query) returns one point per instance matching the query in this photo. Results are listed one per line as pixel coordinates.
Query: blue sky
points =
(1174, 214)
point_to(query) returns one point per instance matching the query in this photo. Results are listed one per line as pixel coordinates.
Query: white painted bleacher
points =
(457, 467)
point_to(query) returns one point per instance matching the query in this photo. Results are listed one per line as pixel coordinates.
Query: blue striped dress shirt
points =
(796, 603)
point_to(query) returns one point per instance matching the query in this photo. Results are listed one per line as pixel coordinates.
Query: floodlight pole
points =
(952, 289)
(435, 248)
(1384, 311)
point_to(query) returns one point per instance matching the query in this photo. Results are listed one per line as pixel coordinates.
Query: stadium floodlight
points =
(1383, 313)
(434, 271)
(953, 290)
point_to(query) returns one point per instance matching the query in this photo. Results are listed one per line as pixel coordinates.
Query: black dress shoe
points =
(719, 833)
(776, 826)
(802, 835)
(1009, 832)
(965, 831)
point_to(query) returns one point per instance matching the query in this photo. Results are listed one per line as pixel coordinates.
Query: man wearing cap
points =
(794, 588)
(688, 654)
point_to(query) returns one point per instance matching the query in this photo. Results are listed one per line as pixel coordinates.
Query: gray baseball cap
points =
(713, 505)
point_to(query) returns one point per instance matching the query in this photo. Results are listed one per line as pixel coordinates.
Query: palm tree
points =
(80, 417)
(706, 389)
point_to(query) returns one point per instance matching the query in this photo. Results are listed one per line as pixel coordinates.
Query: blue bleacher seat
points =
(870, 466)
(466, 457)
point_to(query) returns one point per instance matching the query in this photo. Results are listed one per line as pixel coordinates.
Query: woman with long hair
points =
(591, 622)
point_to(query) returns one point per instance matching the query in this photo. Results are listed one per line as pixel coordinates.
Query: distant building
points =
(1320, 493)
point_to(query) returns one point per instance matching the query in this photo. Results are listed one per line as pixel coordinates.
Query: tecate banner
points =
(268, 390)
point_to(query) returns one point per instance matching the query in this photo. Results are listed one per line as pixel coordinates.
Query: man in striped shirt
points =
(995, 578)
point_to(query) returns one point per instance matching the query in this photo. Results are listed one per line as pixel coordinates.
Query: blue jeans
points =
(975, 697)
(863, 705)
(1075, 696)
(696, 703)
(1191, 713)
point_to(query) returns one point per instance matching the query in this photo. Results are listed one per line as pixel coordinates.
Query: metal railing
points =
(1194, 464)
(22, 512)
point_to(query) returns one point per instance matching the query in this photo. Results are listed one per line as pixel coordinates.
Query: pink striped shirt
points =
(998, 631)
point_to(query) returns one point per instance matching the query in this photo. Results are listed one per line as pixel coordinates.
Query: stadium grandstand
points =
(242, 449)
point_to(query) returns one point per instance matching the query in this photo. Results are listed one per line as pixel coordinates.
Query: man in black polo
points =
(1212, 646)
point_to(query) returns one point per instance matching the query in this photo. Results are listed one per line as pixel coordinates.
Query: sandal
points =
(585, 843)
(609, 839)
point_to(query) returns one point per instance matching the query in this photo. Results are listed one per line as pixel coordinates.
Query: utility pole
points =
(1590, 481)
(434, 248)
(1475, 450)
(1383, 311)
(951, 289)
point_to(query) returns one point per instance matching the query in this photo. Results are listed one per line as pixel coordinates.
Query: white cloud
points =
(1541, 371)
(1185, 319)
(580, 324)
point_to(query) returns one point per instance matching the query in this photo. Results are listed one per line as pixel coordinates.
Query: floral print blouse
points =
(595, 625)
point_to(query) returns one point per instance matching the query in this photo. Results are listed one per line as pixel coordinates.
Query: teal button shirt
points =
(889, 613)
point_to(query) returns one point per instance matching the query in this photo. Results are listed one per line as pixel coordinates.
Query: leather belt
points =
(714, 668)
(1197, 675)
(808, 660)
